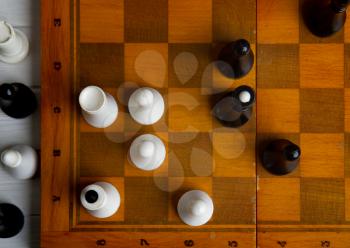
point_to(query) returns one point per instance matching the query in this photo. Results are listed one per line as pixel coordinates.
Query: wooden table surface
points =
(301, 85)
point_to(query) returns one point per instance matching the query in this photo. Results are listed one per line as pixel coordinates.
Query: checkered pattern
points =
(303, 95)
(125, 44)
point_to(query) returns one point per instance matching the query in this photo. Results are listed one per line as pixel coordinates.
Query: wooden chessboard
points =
(171, 45)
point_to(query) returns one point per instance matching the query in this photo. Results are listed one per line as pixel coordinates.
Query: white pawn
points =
(146, 106)
(14, 44)
(99, 108)
(244, 97)
(147, 152)
(195, 208)
(21, 161)
(100, 199)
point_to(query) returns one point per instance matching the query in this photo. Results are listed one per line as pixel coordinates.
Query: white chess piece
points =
(99, 108)
(195, 208)
(14, 44)
(100, 199)
(147, 152)
(21, 161)
(146, 106)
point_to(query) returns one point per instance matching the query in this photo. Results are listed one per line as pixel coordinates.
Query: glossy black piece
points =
(281, 157)
(11, 220)
(236, 59)
(230, 111)
(91, 196)
(17, 100)
(324, 17)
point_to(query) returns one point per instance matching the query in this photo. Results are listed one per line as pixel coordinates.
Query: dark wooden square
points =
(235, 197)
(101, 155)
(190, 154)
(231, 23)
(278, 66)
(187, 64)
(347, 65)
(101, 65)
(146, 21)
(145, 203)
(322, 201)
(322, 110)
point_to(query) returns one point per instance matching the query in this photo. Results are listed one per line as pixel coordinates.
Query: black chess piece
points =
(11, 220)
(17, 100)
(281, 157)
(235, 108)
(236, 59)
(324, 17)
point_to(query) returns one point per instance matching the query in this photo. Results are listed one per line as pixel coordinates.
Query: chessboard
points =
(303, 94)
(120, 46)
(302, 91)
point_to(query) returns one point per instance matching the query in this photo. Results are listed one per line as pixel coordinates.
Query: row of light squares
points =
(190, 65)
(192, 20)
(223, 155)
(306, 200)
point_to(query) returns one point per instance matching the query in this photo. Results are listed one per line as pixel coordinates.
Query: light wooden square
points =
(189, 110)
(234, 154)
(278, 21)
(322, 155)
(321, 65)
(190, 21)
(181, 185)
(117, 182)
(278, 199)
(278, 110)
(102, 21)
(147, 64)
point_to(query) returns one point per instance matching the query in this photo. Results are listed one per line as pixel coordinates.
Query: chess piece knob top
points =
(198, 207)
(146, 149)
(241, 47)
(144, 97)
(146, 106)
(11, 158)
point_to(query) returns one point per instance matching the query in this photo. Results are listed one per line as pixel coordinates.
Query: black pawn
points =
(236, 107)
(324, 17)
(17, 100)
(237, 58)
(281, 157)
(11, 220)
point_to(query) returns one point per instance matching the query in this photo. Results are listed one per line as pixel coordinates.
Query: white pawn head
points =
(244, 97)
(5, 32)
(198, 208)
(11, 158)
(144, 97)
(146, 149)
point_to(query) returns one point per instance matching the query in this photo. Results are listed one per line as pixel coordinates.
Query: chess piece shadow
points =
(236, 59)
(280, 157)
(11, 220)
(17, 100)
(324, 17)
(234, 109)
